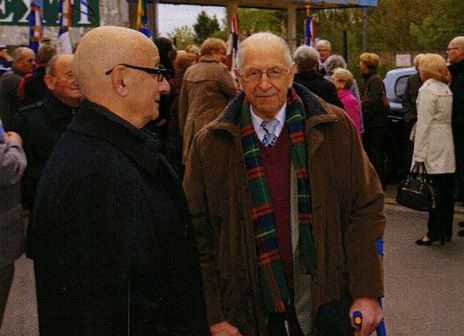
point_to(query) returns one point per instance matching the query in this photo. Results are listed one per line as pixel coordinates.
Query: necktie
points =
(269, 127)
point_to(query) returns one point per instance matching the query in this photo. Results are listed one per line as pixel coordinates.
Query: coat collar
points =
(315, 111)
(96, 121)
(56, 108)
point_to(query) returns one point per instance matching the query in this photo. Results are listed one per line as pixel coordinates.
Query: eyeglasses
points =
(160, 72)
(254, 75)
(448, 49)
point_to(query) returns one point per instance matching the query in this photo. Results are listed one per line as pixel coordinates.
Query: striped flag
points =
(35, 26)
(232, 43)
(310, 31)
(142, 18)
(65, 21)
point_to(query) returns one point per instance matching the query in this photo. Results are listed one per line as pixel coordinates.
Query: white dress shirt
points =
(257, 121)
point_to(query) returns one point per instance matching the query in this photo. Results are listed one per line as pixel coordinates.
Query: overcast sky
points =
(173, 16)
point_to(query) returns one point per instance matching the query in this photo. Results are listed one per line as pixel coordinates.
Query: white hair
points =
(260, 39)
(332, 62)
(306, 58)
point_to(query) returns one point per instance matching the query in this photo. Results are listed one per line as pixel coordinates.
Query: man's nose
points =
(164, 87)
(264, 82)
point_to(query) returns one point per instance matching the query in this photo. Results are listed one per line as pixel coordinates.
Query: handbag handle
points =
(419, 169)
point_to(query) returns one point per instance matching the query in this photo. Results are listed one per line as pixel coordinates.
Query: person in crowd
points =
(343, 79)
(40, 125)
(306, 59)
(159, 127)
(33, 89)
(22, 64)
(174, 142)
(374, 110)
(336, 61)
(408, 101)
(193, 49)
(286, 207)
(12, 165)
(207, 88)
(324, 48)
(433, 145)
(5, 59)
(455, 53)
(115, 252)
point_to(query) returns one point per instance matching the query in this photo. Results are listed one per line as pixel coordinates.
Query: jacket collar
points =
(96, 121)
(456, 67)
(56, 108)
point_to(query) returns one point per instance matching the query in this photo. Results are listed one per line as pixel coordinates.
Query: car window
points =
(400, 85)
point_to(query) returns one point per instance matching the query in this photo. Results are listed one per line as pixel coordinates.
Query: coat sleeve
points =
(366, 225)
(183, 107)
(12, 163)
(206, 233)
(425, 108)
(227, 84)
(372, 101)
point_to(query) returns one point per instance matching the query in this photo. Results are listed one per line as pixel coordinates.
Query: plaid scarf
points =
(271, 274)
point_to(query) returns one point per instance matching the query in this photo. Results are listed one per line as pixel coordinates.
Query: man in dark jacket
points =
(286, 207)
(41, 124)
(306, 59)
(23, 63)
(455, 52)
(115, 254)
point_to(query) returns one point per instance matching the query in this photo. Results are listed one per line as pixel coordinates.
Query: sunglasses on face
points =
(160, 71)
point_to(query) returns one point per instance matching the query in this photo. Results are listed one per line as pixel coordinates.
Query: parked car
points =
(398, 155)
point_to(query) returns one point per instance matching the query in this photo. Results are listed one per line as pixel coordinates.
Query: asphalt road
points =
(424, 285)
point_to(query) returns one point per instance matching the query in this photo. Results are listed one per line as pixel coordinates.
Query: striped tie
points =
(269, 127)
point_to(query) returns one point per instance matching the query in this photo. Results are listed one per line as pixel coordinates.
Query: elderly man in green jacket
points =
(287, 208)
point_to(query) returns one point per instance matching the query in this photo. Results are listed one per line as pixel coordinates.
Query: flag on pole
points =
(65, 21)
(232, 43)
(35, 26)
(310, 31)
(142, 18)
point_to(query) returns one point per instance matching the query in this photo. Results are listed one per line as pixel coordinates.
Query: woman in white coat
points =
(433, 144)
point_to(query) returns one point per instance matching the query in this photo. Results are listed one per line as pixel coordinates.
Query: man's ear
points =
(119, 81)
(292, 74)
(237, 78)
(50, 82)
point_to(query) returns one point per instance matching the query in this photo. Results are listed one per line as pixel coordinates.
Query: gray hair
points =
(262, 39)
(332, 62)
(50, 69)
(324, 43)
(306, 58)
(18, 53)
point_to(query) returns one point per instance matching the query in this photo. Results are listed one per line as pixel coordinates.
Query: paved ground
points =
(424, 285)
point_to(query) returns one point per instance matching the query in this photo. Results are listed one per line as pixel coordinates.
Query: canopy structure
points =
(290, 5)
(279, 4)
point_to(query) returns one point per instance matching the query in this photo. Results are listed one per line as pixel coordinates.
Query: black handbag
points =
(416, 191)
(333, 318)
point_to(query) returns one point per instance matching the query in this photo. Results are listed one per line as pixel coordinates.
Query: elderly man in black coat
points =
(115, 254)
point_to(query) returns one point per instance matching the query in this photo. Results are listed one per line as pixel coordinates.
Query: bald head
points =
(455, 49)
(103, 48)
(115, 69)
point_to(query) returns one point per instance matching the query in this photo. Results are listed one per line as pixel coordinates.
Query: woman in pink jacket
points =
(343, 79)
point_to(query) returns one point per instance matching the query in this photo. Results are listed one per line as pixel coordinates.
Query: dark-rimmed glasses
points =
(453, 48)
(160, 71)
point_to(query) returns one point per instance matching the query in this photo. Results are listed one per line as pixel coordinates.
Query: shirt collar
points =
(280, 116)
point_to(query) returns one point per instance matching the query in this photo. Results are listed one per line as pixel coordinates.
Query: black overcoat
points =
(113, 246)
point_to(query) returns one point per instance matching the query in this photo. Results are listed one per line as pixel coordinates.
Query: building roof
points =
(279, 4)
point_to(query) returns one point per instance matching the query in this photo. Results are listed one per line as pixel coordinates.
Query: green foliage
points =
(183, 36)
(205, 27)
(262, 20)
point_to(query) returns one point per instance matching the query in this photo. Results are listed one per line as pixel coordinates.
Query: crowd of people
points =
(167, 194)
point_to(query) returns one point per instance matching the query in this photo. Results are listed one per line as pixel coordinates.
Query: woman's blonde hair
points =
(370, 59)
(343, 75)
(211, 45)
(434, 66)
